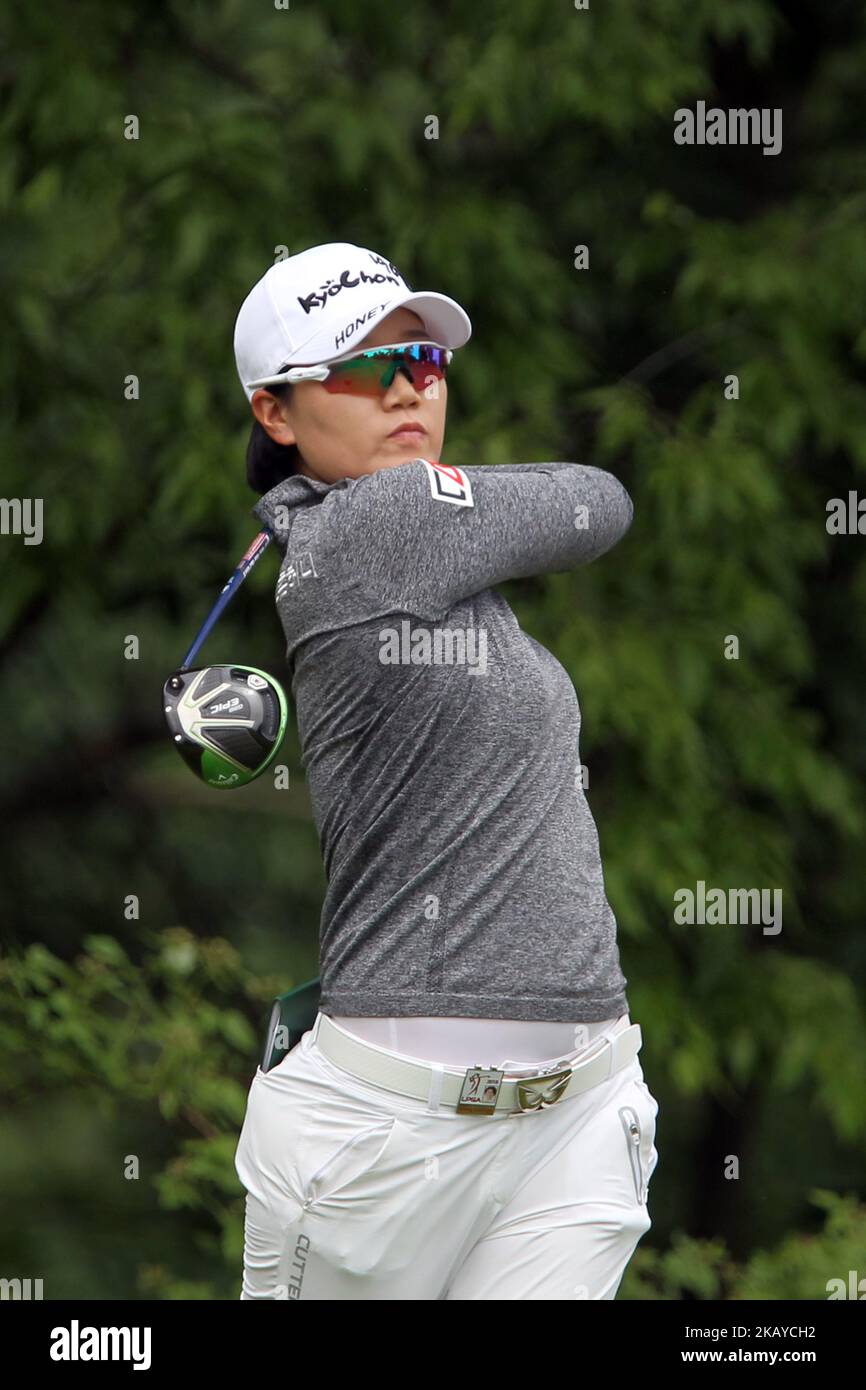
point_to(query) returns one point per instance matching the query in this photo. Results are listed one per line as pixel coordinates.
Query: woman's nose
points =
(402, 384)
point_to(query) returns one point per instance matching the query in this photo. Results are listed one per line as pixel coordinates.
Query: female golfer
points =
(468, 1117)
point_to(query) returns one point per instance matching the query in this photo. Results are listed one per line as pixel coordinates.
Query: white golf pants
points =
(356, 1192)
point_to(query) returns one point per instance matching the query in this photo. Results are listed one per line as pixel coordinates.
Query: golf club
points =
(226, 721)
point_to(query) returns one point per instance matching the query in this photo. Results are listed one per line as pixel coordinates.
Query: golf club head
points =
(227, 722)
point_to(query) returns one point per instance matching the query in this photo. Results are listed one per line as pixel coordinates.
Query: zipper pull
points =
(631, 1125)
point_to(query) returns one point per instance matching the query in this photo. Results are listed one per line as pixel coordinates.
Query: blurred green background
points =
(131, 1037)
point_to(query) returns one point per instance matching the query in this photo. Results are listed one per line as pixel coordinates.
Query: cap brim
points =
(443, 318)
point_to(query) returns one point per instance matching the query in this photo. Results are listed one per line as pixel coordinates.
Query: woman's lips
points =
(408, 434)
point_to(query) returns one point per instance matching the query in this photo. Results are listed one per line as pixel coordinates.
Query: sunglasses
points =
(371, 373)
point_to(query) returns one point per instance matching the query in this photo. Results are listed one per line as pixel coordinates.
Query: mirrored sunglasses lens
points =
(372, 373)
(361, 376)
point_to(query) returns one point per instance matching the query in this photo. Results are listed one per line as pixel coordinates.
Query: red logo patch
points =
(448, 484)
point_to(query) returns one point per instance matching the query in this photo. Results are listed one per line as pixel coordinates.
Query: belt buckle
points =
(542, 1091)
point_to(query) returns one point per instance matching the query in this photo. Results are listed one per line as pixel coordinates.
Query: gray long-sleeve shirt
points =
(440, 740)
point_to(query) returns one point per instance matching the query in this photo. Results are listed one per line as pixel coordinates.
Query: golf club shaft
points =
(252, 555)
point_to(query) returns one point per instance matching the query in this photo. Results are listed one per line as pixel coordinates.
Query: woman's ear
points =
(269, 413)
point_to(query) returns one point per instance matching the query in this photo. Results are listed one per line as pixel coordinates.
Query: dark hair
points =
(268, 462)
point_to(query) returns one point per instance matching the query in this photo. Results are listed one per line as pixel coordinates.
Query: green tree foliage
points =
(136, 1030)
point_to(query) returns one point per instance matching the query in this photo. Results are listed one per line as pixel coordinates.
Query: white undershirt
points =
(466, 1042)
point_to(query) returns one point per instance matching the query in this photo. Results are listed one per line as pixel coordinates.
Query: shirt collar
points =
(275, 508)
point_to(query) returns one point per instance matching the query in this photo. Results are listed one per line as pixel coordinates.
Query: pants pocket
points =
(355, 1195)
(334, 1166)
(638, 1122)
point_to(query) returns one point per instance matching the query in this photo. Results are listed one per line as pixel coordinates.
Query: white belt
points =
(469, 1091)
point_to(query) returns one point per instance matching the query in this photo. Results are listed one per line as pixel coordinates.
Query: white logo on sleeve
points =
(448, 484)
